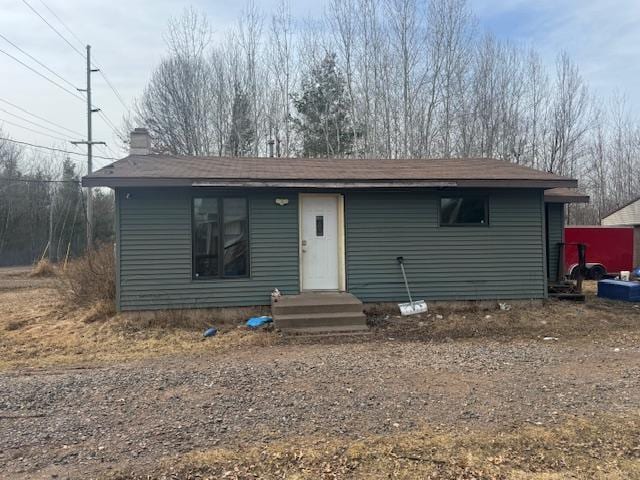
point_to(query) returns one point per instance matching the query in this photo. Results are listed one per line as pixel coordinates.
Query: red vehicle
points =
(610, 250)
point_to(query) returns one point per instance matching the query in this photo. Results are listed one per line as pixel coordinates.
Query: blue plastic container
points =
(256, 322)
(619, 290)
(210, 332)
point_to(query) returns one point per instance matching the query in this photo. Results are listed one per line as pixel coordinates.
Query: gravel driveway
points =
(88, 422)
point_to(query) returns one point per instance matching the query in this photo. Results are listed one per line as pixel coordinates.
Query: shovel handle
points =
(404, 276)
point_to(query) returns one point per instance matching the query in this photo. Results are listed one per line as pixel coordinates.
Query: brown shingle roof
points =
(167, 170)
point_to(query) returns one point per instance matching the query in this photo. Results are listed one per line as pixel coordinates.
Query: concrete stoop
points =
(319, 313)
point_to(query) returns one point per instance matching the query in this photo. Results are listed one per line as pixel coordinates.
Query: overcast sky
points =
(602, 36)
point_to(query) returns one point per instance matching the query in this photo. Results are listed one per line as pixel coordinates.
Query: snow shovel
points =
(411, 308)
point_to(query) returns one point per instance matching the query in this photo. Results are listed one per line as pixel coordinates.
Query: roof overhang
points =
(565, 195)
(117, 182)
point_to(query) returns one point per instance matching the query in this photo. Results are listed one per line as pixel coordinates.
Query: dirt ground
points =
(549, 391)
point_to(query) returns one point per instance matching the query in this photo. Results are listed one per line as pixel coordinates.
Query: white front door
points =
(320, 240)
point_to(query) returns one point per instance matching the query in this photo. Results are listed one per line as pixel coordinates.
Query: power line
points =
(62, 23)
(32, 122)
(34, 131)
(111, 151)
(53, 28)
(38, 117)
(102, 114)
(107, 147)
(37, 61)
(80, 42)
(35, 180)
(91, 108)
(43, 76)
(110, 124)
(52, 148)
(113, 89)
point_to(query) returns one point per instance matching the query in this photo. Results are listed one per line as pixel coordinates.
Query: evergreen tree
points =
(242, 133)
(323, 109)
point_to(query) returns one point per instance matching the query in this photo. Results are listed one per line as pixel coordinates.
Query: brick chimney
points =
(140, 142)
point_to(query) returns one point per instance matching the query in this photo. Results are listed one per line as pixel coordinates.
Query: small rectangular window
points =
(220, 237)
(464, 210)
(319, 226)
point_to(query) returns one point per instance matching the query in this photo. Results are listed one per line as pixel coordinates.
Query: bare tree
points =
(420, 79)
(282, 76)
(569, 122)
(537, 95)
(176, 103)
(406, 42)
(249, 37)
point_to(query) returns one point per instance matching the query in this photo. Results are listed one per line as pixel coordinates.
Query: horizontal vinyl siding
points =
(555, 228)
(629, 215)
(503, 260)
(155, 252)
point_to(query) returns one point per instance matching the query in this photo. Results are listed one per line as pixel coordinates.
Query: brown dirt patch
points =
(595, 317)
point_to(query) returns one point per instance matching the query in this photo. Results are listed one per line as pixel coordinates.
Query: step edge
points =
(332, 315)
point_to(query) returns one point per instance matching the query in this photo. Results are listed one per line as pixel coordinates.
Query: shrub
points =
(90, 280)
(44, 268)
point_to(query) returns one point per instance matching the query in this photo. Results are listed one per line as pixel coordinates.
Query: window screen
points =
(220, 237)
(463, 210)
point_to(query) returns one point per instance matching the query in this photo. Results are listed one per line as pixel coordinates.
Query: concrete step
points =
(322, 319)
(278, 308)
(354, 330)
(314, 302)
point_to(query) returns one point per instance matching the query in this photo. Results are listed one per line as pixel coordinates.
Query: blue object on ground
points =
(210, 332)
(619, 290)
(256, 322)
(636, 272)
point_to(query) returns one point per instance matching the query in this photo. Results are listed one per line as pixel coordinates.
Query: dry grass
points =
(189, 319)
(606, 447)
(39, 328)
(44, 268)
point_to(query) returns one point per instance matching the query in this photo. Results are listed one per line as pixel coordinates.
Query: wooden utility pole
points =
(50, 243)
(89, 143)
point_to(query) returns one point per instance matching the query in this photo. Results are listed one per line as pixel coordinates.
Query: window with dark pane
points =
(236, 237)
(320, 226)
(220, 237)
(206, 234)
(463, 210)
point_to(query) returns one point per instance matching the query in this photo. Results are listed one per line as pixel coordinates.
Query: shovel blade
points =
(413, 308)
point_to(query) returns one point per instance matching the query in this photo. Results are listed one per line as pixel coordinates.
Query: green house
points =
(216, 231)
